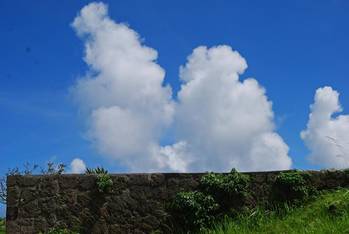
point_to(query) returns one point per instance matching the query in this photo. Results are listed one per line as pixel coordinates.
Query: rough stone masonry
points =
(136, 204)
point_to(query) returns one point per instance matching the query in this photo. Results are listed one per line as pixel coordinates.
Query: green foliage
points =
(229, 190)
(194, 210)
(97, 170)
(2, 226)
(313, 217)
(292, 187)
(339, 207)
(104, 182)
(219, 194)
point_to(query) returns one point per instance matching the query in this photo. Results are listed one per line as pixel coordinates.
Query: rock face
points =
(136, 204)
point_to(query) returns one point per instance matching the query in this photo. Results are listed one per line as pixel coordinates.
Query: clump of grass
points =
(328, 213)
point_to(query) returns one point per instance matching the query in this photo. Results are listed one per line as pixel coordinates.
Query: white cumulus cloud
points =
(326, 135)
(226, 122)
(77, 166)
(123, 93)
(219, 121)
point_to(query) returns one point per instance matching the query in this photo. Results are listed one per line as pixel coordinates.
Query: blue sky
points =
(292, 48)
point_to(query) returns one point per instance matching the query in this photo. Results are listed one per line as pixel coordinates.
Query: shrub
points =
(194, 210)
(229, 190)
(219, 194)
(292, 187)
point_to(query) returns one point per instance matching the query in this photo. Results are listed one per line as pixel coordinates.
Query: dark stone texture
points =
(135, 204)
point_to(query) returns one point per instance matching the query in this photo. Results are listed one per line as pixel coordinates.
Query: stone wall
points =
(136, 204)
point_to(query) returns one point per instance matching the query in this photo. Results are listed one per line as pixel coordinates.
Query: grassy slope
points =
(316, 217)
(2, 226)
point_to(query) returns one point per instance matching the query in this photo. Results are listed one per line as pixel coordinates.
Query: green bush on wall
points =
(229, 190)
(194, 210)
(292, 187)
(219, 194)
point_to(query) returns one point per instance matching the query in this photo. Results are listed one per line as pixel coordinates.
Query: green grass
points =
(2, 226)
(328, 213)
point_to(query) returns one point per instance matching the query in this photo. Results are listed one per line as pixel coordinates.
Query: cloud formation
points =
(123, 93)
(226, 122)
(326, 136)
(77, 166)
(219, 121)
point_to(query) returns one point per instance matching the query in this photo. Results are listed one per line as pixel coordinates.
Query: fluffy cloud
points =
(327, 136)
(226, 122)
(219, 121)
(123, 93)
(77, 166)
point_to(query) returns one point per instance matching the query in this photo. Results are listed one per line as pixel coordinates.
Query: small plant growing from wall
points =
(104, 181)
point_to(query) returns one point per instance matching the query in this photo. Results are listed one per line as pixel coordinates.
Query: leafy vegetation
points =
(194, 210)
(328, 213)
(229, 190)
(104, 181)
(2, 226)
(97, 170)
(292, 187)
(219, 194)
